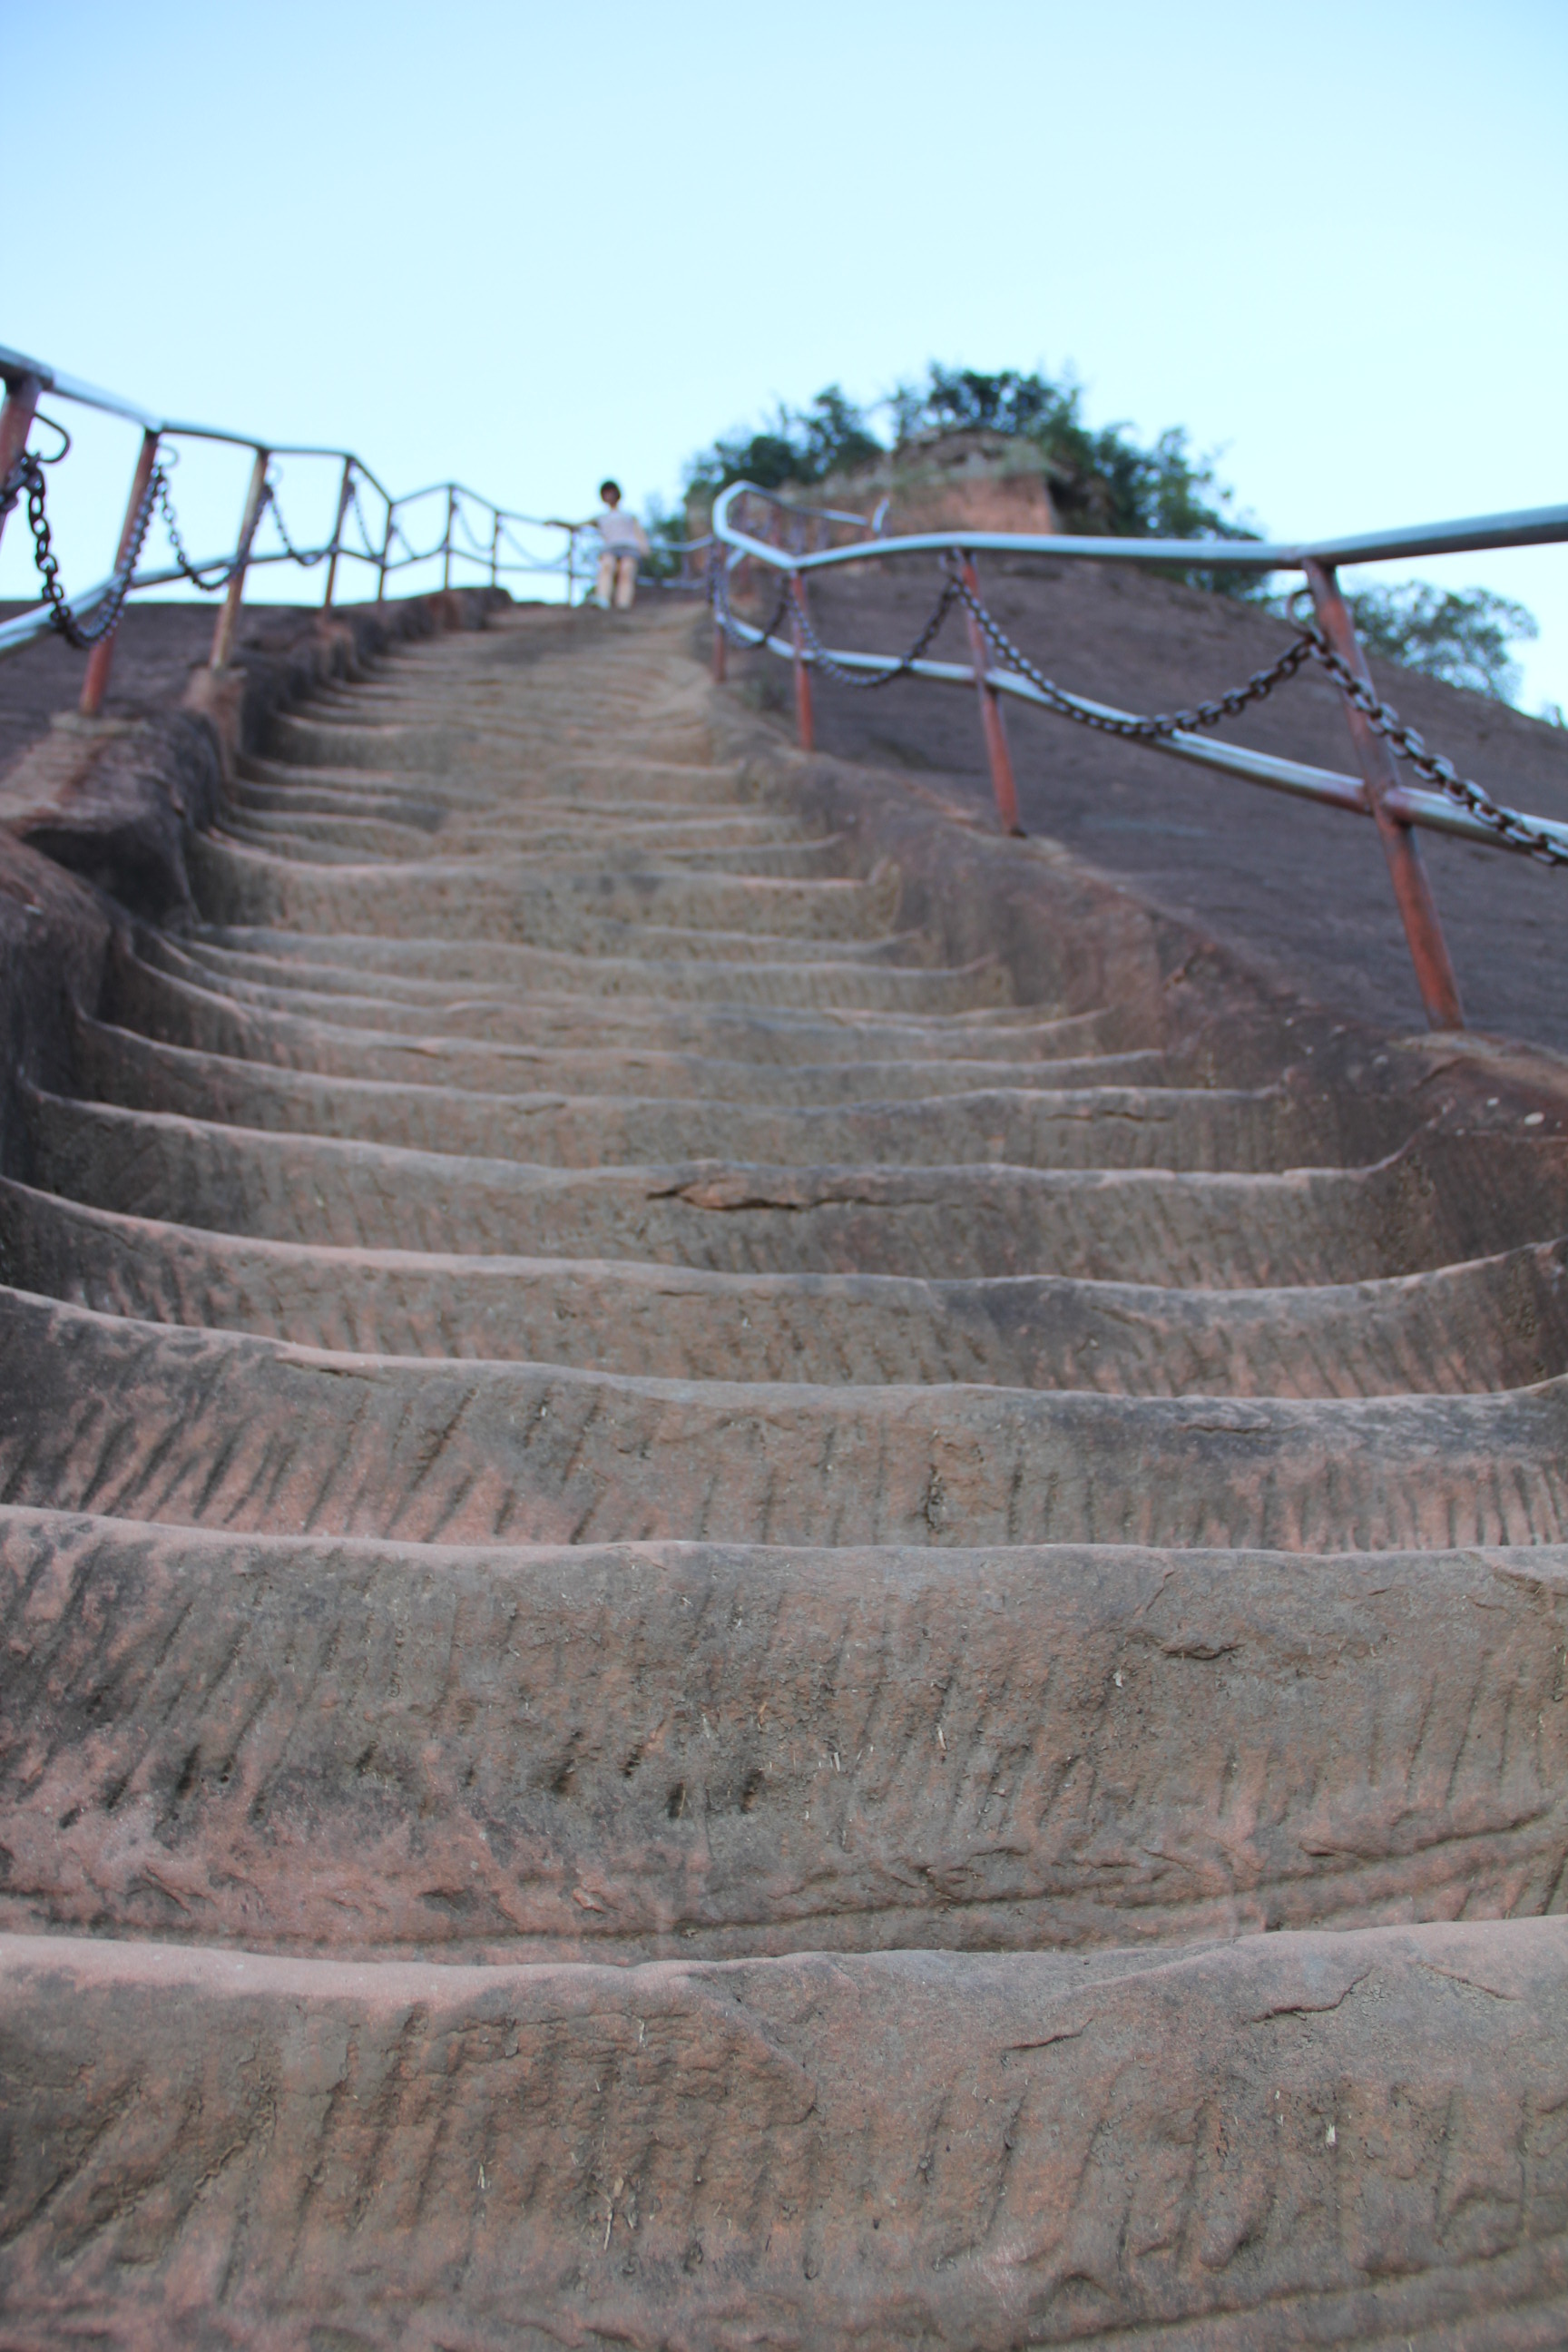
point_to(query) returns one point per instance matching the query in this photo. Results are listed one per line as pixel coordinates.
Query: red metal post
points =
(17, 421)
(228, 619)
(385, 553)
(101, 661)
(1417, 907)
(345, 493)
(721, 640)
(806, 731)
(993, 725)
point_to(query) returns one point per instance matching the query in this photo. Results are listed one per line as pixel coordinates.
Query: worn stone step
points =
(506, 974)
(316, 740)
(278, 793)
(266, 962)
(565, 790)
(1495, 1323)
(637, 1751)
(597, 939)
(254, 1032)
(448, 897)
(295, 815)
(385, 1034)
(1434, 1203)
(358, 841)
(214, 1429)
(1096, 1127)
(328, 840)
(631, 965)
(1340, 2139)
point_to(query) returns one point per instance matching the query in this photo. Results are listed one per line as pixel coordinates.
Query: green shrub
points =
(1103, 482)
(802, 444)
(1465, 636)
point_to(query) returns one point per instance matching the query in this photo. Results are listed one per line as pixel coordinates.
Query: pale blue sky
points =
(533, 244)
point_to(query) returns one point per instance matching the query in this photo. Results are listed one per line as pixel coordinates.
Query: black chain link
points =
(221, 573)
(305, 563)
(1160, 724)
(372, 554)
(734, 630)
(1406, 744)
(1311, 645)
(27, 474)
(863, 681)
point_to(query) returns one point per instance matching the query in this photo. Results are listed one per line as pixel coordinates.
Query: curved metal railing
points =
(466, 531)
(753, 527)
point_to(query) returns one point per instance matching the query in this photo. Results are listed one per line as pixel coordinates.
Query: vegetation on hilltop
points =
(1104, 482)
(1465, 636)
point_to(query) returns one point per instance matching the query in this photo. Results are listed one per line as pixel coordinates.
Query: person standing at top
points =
(622, 540)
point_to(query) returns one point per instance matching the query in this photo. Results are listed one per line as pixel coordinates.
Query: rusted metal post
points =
(385, 552)
(1417, 907)
(101, 661)
(17, 421)
(345, 492)
(228, 619)
(993, 725)
(806, 731)
(447, 540)
(720, 634)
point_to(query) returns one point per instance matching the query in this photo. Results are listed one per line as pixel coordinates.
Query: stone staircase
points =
(723, 1630)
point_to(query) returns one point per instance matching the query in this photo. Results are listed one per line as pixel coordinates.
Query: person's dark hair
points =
(609, 489)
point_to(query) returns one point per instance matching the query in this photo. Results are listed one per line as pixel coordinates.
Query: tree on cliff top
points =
(1104, 483)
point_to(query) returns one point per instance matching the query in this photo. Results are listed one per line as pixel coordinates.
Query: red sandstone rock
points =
(636, 1351)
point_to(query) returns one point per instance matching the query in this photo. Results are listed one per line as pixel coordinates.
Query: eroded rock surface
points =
(766, 1575)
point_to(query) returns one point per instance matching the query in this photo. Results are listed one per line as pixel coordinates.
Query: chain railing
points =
(752, 527)
(479, 542)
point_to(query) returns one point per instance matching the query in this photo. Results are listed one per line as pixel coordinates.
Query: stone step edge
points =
(1346, 2138)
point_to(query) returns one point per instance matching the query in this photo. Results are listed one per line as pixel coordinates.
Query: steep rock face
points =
(765, 1574)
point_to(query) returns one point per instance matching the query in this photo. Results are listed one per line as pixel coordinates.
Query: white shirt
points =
(620, 533)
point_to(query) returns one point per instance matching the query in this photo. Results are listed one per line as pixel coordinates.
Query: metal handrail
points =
(1378, 792)
(498, 554)
(1455, 806)
(1528, 527)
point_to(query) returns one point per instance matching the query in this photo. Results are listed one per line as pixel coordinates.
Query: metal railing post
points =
(495, 549)
(17, 422)
(101, 661)
(993, 725)
(806, 731)
(345, 492)
(228, 619)
(720, 636)
(1412, 891)
(446, 541)
(385, 552)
